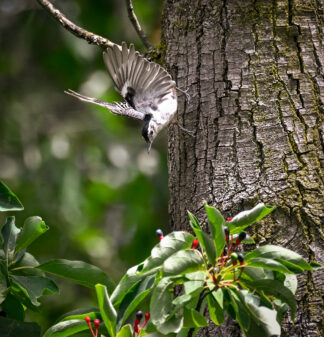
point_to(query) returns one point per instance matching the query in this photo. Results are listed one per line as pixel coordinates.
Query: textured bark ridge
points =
(255, 73)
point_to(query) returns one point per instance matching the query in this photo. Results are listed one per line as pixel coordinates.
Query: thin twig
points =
(73, 28)
(135, 23)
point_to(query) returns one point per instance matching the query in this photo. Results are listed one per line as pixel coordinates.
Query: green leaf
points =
(247, 218)
(36, 286)
(206, 243)
(22, 295)
(261, 262)
(250, 297)
(161, 301)
(291, 266)
(195, 283)
(169, 245)
(127, 282)
(281, 309)
(9, 234)
(125, 331)
(107, 310)
(290, 259)
(93, 313)
(277, 289)
(195, 225)
(8, 200)
(250, 316)
(13, 308)
(33, 227)
(291, 282)
(3, 282)
(241, 313)
(268, 317)
(172, 325)
(315, 265)
(12, 328)
(193, 319)
(184, 261)
(219, 297)
(78, 272)
(180, 301)
(216, 313)
(216, 221)
(24, 266)
(209, 248)
(257, 274)
(133, 298)
(67, 328)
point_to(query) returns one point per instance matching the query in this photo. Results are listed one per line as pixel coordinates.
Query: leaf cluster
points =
(254, 288)
(179, 280)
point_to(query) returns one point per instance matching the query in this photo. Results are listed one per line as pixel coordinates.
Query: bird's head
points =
(149, 131)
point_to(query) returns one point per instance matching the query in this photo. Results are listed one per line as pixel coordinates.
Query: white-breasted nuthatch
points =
(148, 90)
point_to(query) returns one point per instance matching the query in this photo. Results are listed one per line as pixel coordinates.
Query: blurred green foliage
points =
(83, 170)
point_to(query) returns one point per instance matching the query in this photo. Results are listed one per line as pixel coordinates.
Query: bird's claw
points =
(189, 132)
(185, 92)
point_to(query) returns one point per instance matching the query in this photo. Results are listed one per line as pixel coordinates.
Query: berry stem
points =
(87, 319)
(90, 327)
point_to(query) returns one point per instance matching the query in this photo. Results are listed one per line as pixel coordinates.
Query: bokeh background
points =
(83, 170)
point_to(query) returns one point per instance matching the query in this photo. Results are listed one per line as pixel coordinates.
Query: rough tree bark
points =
(255, 73)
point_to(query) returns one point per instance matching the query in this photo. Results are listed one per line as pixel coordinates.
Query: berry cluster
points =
(229, 256)
(96, 323)
(139, 316)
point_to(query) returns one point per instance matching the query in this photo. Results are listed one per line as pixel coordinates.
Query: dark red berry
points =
(147, 316)
(96, 322)
(159, 232)
(242, 236)
(139, 314)
(87, 319)
(240, 257)
(229, 219)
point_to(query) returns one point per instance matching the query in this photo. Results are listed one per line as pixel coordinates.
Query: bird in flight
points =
(148, 90)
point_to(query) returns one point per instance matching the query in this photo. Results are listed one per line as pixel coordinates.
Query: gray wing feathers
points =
(128, 67)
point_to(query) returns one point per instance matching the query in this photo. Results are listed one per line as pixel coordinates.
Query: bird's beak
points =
(149, 145)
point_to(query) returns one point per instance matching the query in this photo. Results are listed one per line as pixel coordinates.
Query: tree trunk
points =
(255, 73)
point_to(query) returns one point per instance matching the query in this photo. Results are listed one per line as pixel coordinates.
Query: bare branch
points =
(138, 28)
(73, 28)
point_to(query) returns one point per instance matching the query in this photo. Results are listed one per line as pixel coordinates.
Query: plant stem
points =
(23, 267)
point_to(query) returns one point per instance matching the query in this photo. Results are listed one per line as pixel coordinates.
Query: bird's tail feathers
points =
(89, 99)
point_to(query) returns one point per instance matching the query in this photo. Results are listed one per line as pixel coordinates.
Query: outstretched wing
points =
(138, 80)
(122, 109)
